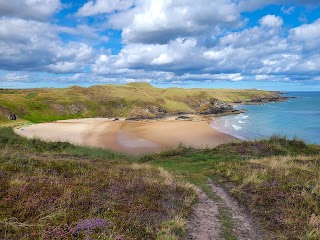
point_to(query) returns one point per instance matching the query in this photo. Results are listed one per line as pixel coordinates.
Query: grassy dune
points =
(41, 105)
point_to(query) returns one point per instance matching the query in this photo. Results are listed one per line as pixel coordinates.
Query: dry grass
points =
(283, 191)
(46, 192)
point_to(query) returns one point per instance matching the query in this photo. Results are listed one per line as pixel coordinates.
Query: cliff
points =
(132, 101)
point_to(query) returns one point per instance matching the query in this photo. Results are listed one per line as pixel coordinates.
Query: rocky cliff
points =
(131, 101)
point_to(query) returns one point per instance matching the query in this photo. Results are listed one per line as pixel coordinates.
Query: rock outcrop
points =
(68, 109)
(148, 112)
(203, 107)
(7, 113)
(213, 106)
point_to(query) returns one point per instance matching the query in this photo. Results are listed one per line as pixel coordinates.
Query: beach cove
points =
(130, 137)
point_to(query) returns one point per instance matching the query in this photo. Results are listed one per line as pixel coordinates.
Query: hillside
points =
(276, 180)
(61, 191)
(135, 100)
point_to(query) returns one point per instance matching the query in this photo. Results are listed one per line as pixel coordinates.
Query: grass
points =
(277, 179)
(65, 191)
(44, 105)
(59, 191)
(283, 191)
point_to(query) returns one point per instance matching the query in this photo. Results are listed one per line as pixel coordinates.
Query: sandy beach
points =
(132, 137)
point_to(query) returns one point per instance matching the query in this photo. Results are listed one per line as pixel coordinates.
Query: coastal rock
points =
(68, 109)
(263, 100)
(213, 106)
(75, 108)
(148, 112)
(140, 113)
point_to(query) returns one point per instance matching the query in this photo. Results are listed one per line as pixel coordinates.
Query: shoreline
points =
(131, 137)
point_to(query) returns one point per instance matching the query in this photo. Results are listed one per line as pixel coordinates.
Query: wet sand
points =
(132, 137)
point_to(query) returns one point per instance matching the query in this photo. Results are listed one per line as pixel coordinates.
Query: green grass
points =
(31, 95)
(44, 105)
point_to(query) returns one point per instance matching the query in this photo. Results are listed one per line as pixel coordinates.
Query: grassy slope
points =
(276, 179)
(59, 191)
(39, 105)
(57, 188)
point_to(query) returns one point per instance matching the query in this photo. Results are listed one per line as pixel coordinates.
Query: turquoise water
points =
(298, 117)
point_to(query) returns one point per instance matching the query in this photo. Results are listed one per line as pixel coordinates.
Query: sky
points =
(264, 44)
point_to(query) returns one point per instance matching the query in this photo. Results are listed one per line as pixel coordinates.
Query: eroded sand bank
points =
(133, 137)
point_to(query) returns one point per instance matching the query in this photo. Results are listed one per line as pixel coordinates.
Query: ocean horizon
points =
(298, 117)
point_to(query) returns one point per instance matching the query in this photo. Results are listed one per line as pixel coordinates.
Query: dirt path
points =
(204, 223)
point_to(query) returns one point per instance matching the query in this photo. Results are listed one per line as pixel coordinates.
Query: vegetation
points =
(49, 104)
(59, 191)
(276, 179)
(63, 191)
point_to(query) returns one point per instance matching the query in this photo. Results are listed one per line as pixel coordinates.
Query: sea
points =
(298, 117)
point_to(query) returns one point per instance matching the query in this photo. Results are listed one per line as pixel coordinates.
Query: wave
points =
(230, 125)
(236, 127)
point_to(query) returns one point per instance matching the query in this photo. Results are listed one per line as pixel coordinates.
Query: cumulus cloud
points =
(161, 41)
(271, 21)
(29, 9)
(308, 34)
(161, 21)
(104, 6)
(180, 54)
(261, 50)
(36, 46)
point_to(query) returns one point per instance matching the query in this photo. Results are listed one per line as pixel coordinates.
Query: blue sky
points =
(266, 44)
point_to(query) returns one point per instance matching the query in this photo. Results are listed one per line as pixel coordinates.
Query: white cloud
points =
(36, 46)
(174, 55)
(162, 59)
(29, 9)
(104, 6)
(157, 21)
(261, 50)
(164, 41)
(16, 77)
(271, 21)
(288, 10)
(308, 34)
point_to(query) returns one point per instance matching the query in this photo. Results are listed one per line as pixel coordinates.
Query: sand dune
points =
(133, 137)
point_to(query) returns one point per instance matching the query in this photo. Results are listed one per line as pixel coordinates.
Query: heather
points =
(61, 191)
(58, 191)
(276, 179)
